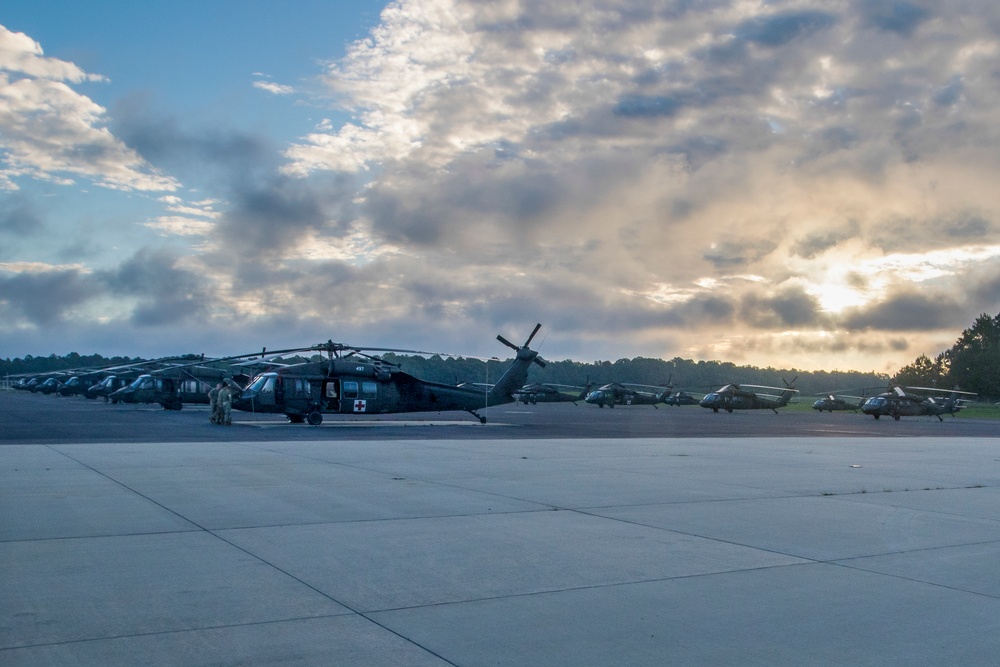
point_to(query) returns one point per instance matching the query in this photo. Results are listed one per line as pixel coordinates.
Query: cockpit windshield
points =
(263, 384)
(142, 382)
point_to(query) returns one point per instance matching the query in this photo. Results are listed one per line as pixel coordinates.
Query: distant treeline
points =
(697, 376)
(30, 364)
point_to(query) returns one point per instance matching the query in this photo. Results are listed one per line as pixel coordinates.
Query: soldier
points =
(213, 402)
(225, 402)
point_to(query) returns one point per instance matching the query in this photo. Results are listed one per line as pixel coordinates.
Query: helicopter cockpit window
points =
(145, 382)
(350, 389)
(263, 384)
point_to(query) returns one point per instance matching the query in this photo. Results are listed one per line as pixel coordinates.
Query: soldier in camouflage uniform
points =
(225, 403)
(213, 402)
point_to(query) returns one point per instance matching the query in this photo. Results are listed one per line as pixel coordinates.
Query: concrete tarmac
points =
(499, 550)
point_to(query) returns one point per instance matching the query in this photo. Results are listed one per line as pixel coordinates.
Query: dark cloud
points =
(192, 153)
(18, 215)
(984, 293)
(897, 16)
(735, 253)
(909, 311)
(778, 29)
(968, 226)
(814, 244)
(950, 93)
(44, 298)
(918, 234)
(267, 215)
(265, 210)
(166, 293)
(648, 106)
(789, 309)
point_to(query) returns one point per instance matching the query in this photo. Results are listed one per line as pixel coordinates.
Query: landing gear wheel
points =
(315, 418)
(296, 419)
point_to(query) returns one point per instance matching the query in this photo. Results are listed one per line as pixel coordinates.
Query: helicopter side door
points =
(331, 395)
(359, 396)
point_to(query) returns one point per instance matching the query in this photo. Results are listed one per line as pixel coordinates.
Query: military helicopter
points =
(109, 385)
(50, 385)
(353, 382)
(617, 393)
(681, 398)
(79, 384)
(834, 402)
(741, 397)
(551, 393)
(175, 385)
(898, 403)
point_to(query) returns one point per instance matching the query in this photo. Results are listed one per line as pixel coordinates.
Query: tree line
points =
(696, 376)
(971, 364)
(51, 363)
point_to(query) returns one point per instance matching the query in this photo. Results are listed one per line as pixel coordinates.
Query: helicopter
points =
(50, 385)
(109, 385)
(551, 393)
(833, 402)
(741, 397)
(680, 397)
(353, 382)
(898, 403)
(173, 386)
(617, 393)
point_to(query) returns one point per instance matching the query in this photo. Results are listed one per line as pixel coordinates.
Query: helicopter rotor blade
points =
(533, 332)
(507, 342)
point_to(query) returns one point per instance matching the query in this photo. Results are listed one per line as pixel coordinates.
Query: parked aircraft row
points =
(351, 380)
(897, 402)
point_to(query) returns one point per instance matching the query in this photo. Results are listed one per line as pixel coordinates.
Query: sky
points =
(805, 184)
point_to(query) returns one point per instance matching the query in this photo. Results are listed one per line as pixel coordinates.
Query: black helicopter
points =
(898, 403)
(681, 398)
(741, 397)
(353, 382)
(175, 385)
(835, 402)
(617, 393)
(551, 393)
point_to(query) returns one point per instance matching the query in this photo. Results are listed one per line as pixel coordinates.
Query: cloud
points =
(21, 54)
(774, 30)
(273, 88)
(42, 297)
(166, 293)
(909, 311)
(897, 16)
(18, 216)
(50, 132)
